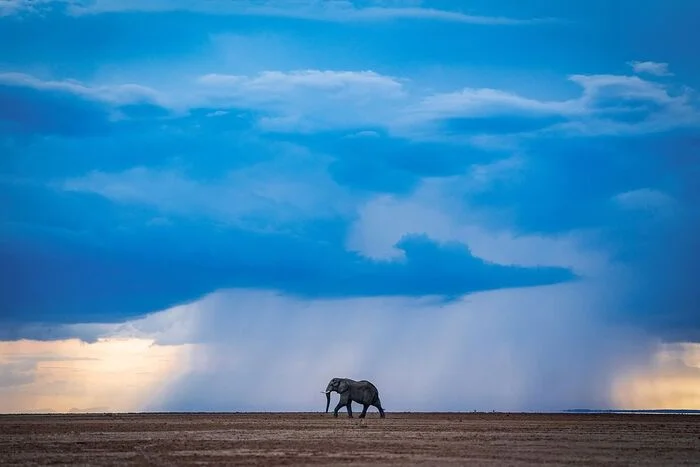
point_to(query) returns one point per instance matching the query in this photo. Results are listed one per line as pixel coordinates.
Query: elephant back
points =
(371, 393)
(368, 383)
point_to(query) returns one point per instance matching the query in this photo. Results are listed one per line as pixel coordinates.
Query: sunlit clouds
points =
(494, 351)
(111, 374)
(670, 380)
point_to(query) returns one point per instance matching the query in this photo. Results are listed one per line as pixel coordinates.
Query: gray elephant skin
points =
(363, 392)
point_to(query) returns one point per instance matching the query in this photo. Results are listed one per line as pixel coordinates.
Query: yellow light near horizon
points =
(107, 375)
(672, 381)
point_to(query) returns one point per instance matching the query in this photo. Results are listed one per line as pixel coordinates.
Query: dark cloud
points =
(103, 274)
(374, 161)
(98, 273)
(665, 294)
(205, 146)
(569, 185)
(662, 247)
(25, 110)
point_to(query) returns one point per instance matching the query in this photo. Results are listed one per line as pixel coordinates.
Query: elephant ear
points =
(343, 386)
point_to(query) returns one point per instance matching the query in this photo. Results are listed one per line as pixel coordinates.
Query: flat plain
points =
(318, 438)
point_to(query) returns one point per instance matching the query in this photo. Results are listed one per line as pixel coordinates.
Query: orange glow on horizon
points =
(125, 374)
(115, 375)
(672, 381)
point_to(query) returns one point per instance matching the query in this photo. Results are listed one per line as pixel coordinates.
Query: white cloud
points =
(607, 105)
(317, 100)
(300, 100)
(12, 7)
(217, 113)
(622, 88)
(326, 10)
(652, 68)
(293, 186)
(437, 208)
(363, 134)
(435, 14)
(645, 198)
(305, 100)
(277, 82)
(470, 102)
(9, 7)
(113, 94)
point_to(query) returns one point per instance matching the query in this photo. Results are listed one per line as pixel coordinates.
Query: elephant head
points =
(338, 385)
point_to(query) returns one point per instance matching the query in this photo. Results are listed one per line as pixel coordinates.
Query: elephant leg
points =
(349, 409)
(343, 402)
(364, 410)
(338, 407)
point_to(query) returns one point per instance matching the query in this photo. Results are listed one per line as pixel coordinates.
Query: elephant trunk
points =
(328, 400)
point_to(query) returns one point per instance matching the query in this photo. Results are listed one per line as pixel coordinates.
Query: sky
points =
(221, 205)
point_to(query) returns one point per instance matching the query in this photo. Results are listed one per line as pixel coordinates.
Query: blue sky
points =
(160, 153)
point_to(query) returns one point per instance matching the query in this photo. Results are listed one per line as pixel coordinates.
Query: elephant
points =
(363, 392)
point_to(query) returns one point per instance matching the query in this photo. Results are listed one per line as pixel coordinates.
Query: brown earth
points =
(313, 438)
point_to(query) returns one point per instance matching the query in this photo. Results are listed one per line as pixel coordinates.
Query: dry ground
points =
(313, 438)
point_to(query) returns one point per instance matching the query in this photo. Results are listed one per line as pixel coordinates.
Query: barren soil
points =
(318, 438)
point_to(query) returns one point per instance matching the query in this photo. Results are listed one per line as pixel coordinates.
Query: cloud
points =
(217, 113)
(471, 102)
(268, 195)
(437, 208)
(107, 375)
(660, 245)
(164, 266)
(208, 355)
(652, 68)
(306, 206)
(394, 184)
(383, 163)
(312, 101)
(13, 7)
(303, 100)
(121, 94)
(669, 380)
(276, 82)
(14, 374)
(30, 105)
(417, 350)
(608, 105)
(264, 227)
(646, 199)
(334, 11)
(306, 100)
(633, 200)
(24, 110)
